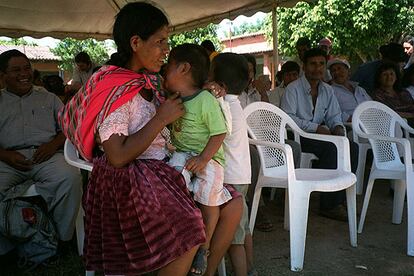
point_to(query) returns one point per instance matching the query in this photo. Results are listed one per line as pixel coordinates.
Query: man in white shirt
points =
(290, 72)
(312, 105)
(81, 72)
(348, 93)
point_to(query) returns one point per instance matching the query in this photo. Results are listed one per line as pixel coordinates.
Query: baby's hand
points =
(196, 164)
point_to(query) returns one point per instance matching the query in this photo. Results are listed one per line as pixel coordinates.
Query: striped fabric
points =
(138, 218)
(106, 90)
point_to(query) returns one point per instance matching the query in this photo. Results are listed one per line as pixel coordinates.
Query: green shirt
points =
(203, 119)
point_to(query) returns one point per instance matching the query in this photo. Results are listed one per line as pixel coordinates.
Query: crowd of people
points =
(172, 166)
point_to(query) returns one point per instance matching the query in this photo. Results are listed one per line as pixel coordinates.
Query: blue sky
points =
(223, 28)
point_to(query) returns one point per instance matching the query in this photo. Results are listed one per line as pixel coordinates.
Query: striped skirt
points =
(138, 218)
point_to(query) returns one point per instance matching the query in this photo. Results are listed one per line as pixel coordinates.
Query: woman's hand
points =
(171, 109)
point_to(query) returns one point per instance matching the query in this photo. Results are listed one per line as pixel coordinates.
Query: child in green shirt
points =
(198, 136)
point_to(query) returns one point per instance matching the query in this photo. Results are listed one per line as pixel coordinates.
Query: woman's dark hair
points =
(408, 76)
(197, 57)
(137, 18)
(384, 66)
(409, 39)
(232, 70)
(314, 52)
(6, 56)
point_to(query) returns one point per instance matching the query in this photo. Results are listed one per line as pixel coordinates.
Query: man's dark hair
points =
(197, 57)
(303, 41)
(208, 45)
(314, 52)
(290, 66)
(6, 56)
(232, 70)
(251, 59)
(393, 52)
(83, 57)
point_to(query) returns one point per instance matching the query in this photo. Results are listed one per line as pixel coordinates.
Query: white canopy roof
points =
(94, 18)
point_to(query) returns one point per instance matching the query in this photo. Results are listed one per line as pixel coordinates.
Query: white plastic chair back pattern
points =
(376, 121)
(379, 123)
(265, 124)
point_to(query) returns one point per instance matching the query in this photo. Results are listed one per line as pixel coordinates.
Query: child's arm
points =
(197, 163)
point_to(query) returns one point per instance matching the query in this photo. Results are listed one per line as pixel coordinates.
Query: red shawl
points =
(105, 91)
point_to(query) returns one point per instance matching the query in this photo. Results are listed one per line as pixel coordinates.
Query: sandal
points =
(199, 262)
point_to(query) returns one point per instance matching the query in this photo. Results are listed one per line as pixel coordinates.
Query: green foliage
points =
(356, 27)
(248, 28)
(68, 48)
(17, 42)
(197, 36)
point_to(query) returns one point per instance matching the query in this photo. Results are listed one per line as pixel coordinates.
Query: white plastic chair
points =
(72, 158)
(363, 147)
(266, 125)
(377, 123)
(31, 191)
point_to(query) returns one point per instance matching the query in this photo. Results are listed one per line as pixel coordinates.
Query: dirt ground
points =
(381, 247)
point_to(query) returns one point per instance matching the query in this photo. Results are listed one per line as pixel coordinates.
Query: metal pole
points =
(275, 44)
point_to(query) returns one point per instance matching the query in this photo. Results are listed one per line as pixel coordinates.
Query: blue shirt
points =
(297, 103)
(347, 100)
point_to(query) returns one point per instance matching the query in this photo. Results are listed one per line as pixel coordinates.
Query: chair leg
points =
(80, 231)
(365, 205)
(398, 204)
(255, 206)
(298, 212)
(410, 217)
(360, 173)
(351, 208)
(286, 218)
(222, 268)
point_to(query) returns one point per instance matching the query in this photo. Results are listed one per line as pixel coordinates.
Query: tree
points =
(248, 28)
(16, 42)
(68, 48)
(197, 36)
(356, 27)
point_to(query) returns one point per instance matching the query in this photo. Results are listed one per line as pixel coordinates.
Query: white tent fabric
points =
(94, 18)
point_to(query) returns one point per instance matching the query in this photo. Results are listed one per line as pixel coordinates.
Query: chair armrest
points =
(287, 151)
(342, 146)
(402, 141)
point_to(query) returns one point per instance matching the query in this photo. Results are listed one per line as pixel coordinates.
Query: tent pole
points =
(275, 45)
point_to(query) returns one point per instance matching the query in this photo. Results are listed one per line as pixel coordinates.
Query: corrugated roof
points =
(242, 36)
(250, 48)
(32, 52)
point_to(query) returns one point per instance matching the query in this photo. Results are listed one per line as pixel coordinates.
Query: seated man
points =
(313, 106)
(289, 72)
(82, 71)
(349, 94)
(31, 145)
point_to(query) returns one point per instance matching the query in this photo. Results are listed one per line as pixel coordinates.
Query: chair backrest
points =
(72, 157)
(375, 118)
(267, 122)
